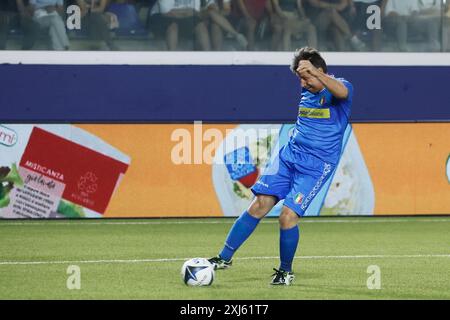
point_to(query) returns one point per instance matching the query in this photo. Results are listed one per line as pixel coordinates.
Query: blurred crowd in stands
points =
(224, 25)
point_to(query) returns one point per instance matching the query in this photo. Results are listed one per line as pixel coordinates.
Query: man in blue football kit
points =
(304, 164)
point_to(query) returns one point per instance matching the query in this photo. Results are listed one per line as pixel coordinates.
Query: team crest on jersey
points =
(298, 198)
(322, 101)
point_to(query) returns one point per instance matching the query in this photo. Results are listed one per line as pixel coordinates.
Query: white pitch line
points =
(168, 222)
(388, 256)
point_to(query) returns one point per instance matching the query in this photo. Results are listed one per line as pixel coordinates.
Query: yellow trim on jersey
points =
(314, 113)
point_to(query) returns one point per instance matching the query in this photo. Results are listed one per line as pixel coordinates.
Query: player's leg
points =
(242, 228)
(309, 177)
(271, 187)
(289, 236)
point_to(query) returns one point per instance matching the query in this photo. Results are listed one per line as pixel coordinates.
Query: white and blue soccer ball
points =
(197, 272)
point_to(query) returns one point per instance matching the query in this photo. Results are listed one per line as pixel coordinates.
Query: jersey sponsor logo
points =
(298, 198)
(314, 113)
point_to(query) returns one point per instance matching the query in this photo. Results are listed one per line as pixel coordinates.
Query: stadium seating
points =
(130, 24)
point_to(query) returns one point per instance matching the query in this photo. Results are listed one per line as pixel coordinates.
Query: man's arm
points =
(277, 9)
(83, 7)
(342, 4)
(336, 87)
(383, 7)
(226, 8)
(243, 9)
(300, 9)
(101, 7)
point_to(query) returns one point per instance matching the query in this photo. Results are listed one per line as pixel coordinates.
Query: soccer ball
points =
(197, 272)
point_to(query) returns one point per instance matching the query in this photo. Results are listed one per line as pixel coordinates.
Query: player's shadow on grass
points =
(308, 275)
(268, 277)
(342, 292)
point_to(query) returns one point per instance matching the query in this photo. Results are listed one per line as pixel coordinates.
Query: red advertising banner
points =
(89, 177)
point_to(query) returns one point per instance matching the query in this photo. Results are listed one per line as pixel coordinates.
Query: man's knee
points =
(288, 218)
(201, 28)
(262, 205)
(172, 28)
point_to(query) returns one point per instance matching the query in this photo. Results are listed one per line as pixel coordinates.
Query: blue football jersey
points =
(321, 123)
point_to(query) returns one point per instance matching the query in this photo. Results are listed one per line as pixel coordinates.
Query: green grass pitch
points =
(141, 259)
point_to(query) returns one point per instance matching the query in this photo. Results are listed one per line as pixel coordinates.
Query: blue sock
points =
(240, 231)
(288, 245)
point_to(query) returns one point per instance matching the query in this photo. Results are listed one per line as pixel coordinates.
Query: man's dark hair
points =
(311, 54)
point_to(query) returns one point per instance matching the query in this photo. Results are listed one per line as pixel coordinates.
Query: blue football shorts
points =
(295, 176)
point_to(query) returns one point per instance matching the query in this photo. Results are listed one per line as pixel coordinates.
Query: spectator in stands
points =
(415, 17)
(173, 18)
(398, 14)
(48, 14)
(291, 15)
(360, 22)
(218, 11)
(5, 18)
(97, 21)
(446, 28)
(251, 14)
(276, 24)
(331, 19)
(429, 20)
(17, 11)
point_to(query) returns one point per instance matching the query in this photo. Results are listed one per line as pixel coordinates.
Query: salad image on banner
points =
(349, 192)
(238, 162)
(57, 171)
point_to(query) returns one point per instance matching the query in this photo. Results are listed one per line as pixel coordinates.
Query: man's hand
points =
(337, 88)
(306, 69)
